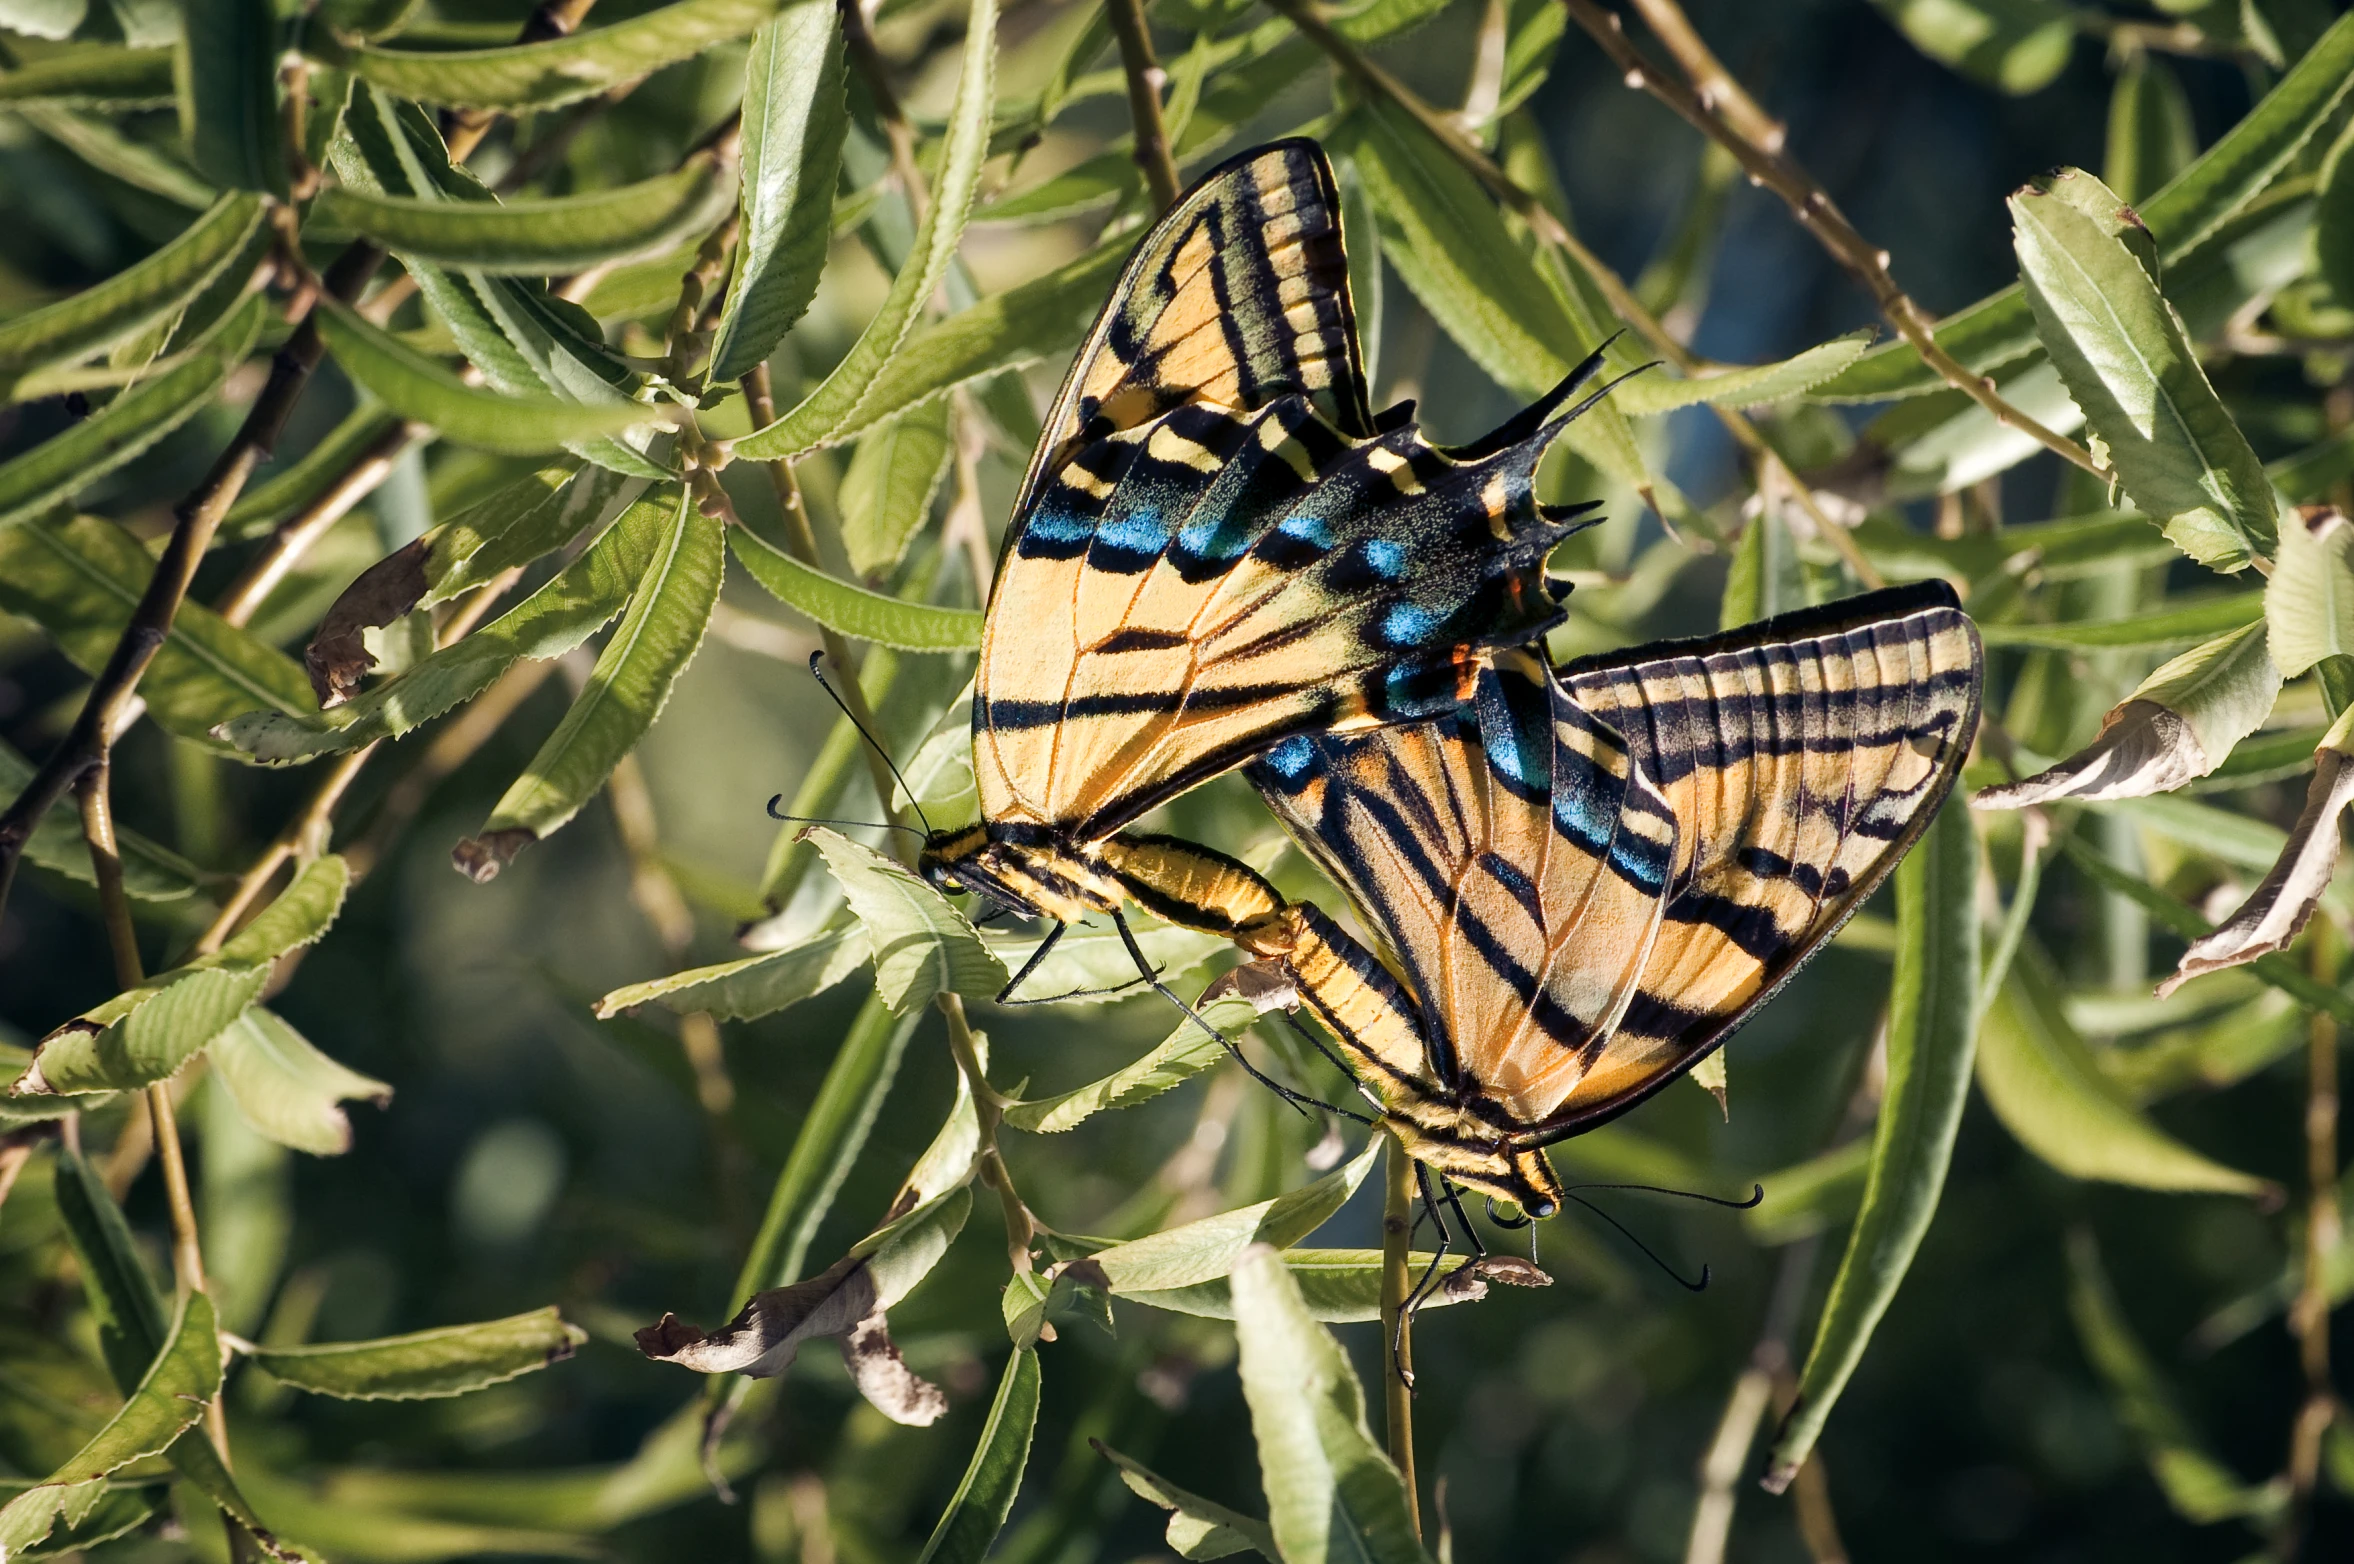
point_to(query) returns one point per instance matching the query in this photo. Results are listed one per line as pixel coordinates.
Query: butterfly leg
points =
(1144, 969)
(1005, 995)
(1433, 1207)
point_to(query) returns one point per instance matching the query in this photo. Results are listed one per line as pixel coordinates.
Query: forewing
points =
(1239, 297)
(1802, 756)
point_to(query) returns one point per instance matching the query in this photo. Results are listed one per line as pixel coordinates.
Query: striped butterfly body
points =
(1588, 879)
(1218, 547)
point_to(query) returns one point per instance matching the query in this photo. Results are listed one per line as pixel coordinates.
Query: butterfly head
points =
(1470, 1152)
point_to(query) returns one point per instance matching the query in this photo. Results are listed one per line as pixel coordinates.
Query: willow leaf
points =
(96, 76)
(542, 235)
(853, 610)
(449, 1361)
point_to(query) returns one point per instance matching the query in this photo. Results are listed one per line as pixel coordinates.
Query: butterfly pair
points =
(1585, 878)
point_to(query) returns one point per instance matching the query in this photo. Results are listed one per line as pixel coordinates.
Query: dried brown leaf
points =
(2280, 907)
(336, 659)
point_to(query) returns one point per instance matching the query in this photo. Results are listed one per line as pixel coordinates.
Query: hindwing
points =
(1802, 756)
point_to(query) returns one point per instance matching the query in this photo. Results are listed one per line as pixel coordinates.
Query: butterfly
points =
(1218, 547)
(1589, 878)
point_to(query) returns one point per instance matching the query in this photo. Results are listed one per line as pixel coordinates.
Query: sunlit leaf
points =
(1339, 1286)
(853, 610)
(93, 76)
(921, 944)
(2017, 46)
(109, 151)
(2202, 619)
(1760, 383)
(1198, 1528)
(449, 1361)
(1184, 1054)
(2151, 137)
(977, 1512)
(754, 986)
(1209, 1249)
(2309, 602)
(886, 496)
(285, 1088)
(537, 236)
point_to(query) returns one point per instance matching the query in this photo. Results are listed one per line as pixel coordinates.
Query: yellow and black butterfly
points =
(1589, 878)
(1218, 547)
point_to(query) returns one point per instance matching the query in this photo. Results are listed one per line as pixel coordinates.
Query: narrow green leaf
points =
(539, 75)
(2041, 1081)
(184, 1377)
(80, 577)
(109, 151)
(93, 76)
(63, 465)
(922, 945)
(1339, 1286)
(520, 524)
(1759, 383)
(2333, 219)
(977, 1512)
(2128, 362)
(228, 88)
(886, 495)
(2200, 620)
(151, 871)
(625, 692)
(134, 299)
(1454, 250)
(2201, 1488)
(2197, 202)
(795, 118)
(1086, 184)
(2015, 46)
(1332, 1493)
(1199, 1528)
(853, 610)
(288, 492)
(2151, 138)
(420, 390)
(285, 1088)
(753, 986)
(449, 1361)
(1932, 1027)
(825, 413)
(537, 236)
(1185, 1053)
(2309, 602)
(1207, 1250)
(146, 1033)
(124, 1304)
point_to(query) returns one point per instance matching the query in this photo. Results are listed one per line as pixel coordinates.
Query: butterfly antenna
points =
(775, 813)
(819, 674)
(1756, 1194)
(1649, 1253)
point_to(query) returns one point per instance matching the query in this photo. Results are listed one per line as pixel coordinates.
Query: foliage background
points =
(531, 1154)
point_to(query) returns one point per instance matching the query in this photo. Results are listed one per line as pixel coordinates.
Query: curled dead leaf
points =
(480, 858)
(336, 659)
(762, 1340)
(1267, 985)
(2278, 909)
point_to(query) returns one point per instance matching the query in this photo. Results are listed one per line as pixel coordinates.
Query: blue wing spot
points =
(1137, 532)
(1418, 690)
(1410, 624)
(1577, 814)
(1310, 530)
(1292, 759)
(1216, 539)
(1055, 533)
(1386, 556)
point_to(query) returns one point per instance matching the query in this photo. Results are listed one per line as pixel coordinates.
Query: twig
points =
(1397, 1246)
(1021, 1228)
(2129, 37)
(553, 19)
(1712, 115)
(298, 533)
(1146, 80)
(2309, 1315)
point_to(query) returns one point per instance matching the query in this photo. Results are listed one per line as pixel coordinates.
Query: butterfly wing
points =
(1802, 756)
(1514, 858)
(1238, 297)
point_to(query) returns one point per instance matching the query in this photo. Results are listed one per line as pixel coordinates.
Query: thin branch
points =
(552, 20)
(1397, 1246)
(1767, 164)
(1021, 1228)
(1146, 81)
(2126, 37)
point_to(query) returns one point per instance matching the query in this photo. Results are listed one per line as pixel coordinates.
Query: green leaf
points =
(2201, 1488)
(93, 76)
(109, 151)
(228, 88)
(524, 522)
(922, 945)
(1332, 1493)
(1339, 1286)
(754, 986)
(1932, 1027)
(2333, 218)
(1453, 249)
(827, 412)
(449, 1361)
(146, 1033)
(537, 236)
(79, 578)
(826, 1145)
(853, 610)
(2015, 46)
(1185, 1053)
(65, 464)
(976, 1514)
(1092, 965)
(1198, 1527)
(1209, 1249)
(2197, 202)
(2178, 725)
(124, 1305)
(1749, 387)
(287, 493)
(151, 871)
(539, 75)
(2309, 602)
(625, 692)
(184, 1377)
(886, 496)
(572, 606)
(420, 390)
(2200, 620)
(2128, 362)
(1820, 1193)
(134, 299)
(795, 118)
(2151, 137)
(2041, 1081)
(285, 1088)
